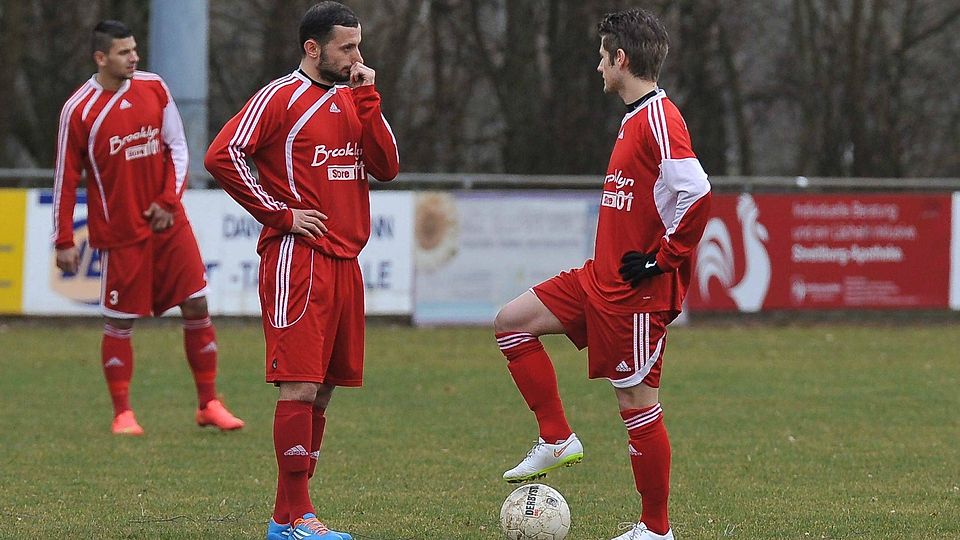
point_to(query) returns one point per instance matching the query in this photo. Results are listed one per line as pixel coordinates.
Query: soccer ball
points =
(535, 512)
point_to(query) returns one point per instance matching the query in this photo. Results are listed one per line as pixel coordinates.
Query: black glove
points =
(636, 267)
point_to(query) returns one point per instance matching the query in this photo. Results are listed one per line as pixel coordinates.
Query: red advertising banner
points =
(794, 251)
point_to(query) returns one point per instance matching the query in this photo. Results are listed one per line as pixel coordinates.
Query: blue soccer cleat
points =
(310, 528)
(278, 531)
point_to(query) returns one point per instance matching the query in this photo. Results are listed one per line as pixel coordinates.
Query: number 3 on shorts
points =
(114, 297)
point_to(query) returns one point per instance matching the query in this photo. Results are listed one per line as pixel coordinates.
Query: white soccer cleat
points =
(545, 457)
(639, 531)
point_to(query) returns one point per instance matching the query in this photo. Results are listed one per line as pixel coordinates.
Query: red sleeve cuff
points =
(365, 91)
(285, 223)
(666, 261)
(167, 204)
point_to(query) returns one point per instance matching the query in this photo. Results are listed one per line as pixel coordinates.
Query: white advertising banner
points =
(387, 259)
(475, 251)
(227, 236)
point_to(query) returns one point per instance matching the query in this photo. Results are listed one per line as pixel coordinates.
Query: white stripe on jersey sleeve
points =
(176, 140)
(63, 133)
(687, 179)
(390, 131)
(172, 133)
(658, 135)
(662, 116)
(249, 121)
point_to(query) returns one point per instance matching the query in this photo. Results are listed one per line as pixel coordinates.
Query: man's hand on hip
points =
(159, 218)
(68, 259)
(636, 267)
(308, 223)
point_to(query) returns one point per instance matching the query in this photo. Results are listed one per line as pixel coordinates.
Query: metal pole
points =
(178, 53)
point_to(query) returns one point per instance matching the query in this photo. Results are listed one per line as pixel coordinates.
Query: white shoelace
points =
(536, 446)
(637, 528)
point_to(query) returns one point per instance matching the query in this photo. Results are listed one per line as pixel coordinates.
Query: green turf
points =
(793, 433)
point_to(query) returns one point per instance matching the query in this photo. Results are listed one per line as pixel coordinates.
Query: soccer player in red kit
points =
(653, 209)
(123, 129)
(314, 136)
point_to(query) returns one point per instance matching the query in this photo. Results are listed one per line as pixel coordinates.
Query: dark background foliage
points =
(768, 87)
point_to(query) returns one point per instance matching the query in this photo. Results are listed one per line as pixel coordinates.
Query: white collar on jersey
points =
(96, 84)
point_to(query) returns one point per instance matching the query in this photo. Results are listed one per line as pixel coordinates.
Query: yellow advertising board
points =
(13, 205)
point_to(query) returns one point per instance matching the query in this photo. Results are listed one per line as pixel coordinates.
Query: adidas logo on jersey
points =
(315, 454)
(297, 450)
(209, 347)
(113, 362)
(124, 104)
(622, 366)
(334, 108)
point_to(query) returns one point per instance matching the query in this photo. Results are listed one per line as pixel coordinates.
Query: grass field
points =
(777, 432)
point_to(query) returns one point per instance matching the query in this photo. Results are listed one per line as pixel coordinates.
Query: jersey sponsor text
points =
(146, 132)
(321, 154)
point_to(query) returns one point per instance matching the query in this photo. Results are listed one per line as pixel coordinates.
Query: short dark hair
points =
(105, 32)
(641, 36)
(318, 22)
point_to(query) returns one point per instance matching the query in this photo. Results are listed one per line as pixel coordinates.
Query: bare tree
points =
(813, 87)
(852, 72)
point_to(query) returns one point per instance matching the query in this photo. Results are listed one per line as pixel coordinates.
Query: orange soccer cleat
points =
(125, 423)
(215, 414)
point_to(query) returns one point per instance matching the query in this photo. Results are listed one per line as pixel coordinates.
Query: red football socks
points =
(116, 356)
(316, 437)
(292, 426)
(650, 459)
(533, 373)
(281, 512)
(200, 343)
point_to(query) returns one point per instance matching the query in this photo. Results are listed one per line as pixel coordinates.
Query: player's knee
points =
(120, 324)
(324, 394)
(508, 319)
(299, 391)
(194, 308)
(640, 396)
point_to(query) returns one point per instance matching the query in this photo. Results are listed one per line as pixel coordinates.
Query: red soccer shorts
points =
(626, 348)
(152, 276)
(312, 307)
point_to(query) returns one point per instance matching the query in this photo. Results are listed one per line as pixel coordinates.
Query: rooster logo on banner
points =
(715, 258)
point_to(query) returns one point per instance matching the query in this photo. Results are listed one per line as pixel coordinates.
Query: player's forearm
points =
(381, 157)
(64, 201)
(680, 245)
(176, 140)
(63, 224)
(245, 189)
(279, 218)
(379, 145)
(168, 199)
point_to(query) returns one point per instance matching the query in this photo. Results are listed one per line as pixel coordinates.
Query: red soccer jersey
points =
(656, 197)
(131, 144)
(313, 147)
